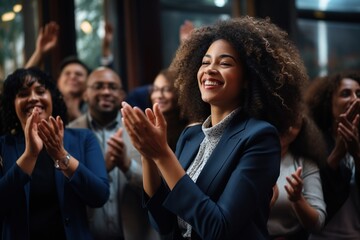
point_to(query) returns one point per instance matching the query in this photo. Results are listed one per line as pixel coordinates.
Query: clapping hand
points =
(295, 185)
(48, 37)
(116, 154)
(147, 131)
(51, 132)
(348, 128)
(33, 142)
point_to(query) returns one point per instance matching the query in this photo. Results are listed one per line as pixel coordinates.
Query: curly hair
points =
(274, 70)
(308, 137)
(13, 83)
(318, 98)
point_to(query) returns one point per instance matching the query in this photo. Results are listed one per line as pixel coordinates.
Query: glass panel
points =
(194, 3)
(11, 38)
(89, 24)
(327, 47)
(329, 5)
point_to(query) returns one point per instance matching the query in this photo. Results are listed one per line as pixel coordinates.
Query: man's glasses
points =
(99, 86)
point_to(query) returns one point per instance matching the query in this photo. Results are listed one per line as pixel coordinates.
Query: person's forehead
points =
(104, 76)
(74, 66)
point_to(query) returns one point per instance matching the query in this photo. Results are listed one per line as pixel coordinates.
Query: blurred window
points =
(89, 25)
(328, 33)
(11, 38)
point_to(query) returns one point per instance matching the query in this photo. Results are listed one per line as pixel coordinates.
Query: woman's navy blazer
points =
(231, 197)
(88, 186)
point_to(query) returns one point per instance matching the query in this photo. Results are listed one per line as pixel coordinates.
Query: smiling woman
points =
(218, 184)
(36, 143)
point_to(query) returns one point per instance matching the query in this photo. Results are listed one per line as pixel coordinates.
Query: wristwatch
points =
(63, 164)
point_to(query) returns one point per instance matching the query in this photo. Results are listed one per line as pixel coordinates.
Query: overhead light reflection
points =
(8, 16)
(86, 27)
(220, 3)
(17, 8)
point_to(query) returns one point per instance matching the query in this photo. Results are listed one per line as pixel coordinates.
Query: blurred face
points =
(32, 96)
(220, 76)
(347, 92)
(104, 92)
(72, 80)
(163, 94)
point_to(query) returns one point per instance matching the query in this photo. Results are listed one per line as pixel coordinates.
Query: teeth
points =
(211, 83)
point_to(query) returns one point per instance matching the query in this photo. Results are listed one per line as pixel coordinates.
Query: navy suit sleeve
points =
(12, 178)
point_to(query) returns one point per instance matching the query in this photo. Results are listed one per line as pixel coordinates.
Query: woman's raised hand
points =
(33, 142)
(51, 131)
(147, 131)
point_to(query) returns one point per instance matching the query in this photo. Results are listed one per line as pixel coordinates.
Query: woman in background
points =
(164, 93)
(299, 208)
(335, 106)
(49, 173)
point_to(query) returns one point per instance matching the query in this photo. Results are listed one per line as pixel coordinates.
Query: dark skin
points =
(347, 137)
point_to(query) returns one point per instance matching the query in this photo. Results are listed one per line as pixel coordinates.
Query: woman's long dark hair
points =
(13, 83)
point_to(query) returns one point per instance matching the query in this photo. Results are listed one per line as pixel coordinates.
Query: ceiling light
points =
(8, 16)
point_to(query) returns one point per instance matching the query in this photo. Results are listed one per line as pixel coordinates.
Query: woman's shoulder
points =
(254, 126)
(191, 130)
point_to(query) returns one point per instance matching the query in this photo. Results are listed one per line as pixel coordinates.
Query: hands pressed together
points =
(48, 133)
(347, 135)
(147, 131)
(39, 133)
(348, 130)
(116, 154)
(148, 135)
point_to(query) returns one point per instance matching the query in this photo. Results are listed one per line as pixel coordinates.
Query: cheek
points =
(18, 106)
(198, 76)
(61, 83)
(338, 102)
(50, 103)
(152, 97)
(82, 81)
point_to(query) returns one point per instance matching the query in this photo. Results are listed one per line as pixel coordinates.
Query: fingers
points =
(295, 184)
(135, 120)
(356, 120)
(353, 110)
(298, 172)
(51, 28)
(150, 115)
(51, 132)
(116, 144)
(119, 133)
(127, 119)
(160, 119)
(348, 131)
(60, 125)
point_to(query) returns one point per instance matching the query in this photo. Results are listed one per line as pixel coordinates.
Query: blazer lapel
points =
(221, 153)
(192, 146)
